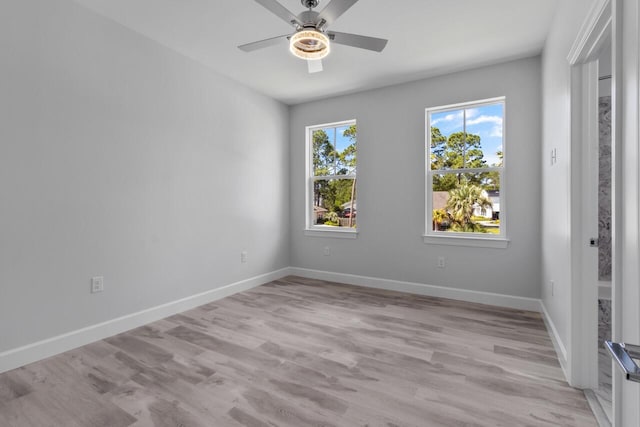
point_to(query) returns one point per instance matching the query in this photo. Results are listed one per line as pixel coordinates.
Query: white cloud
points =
(472, 112)
(454, 120)
(496, 120)
(485, 119)
(448, 118)
(496, 131)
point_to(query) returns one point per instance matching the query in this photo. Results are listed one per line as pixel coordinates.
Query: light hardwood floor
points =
(300, 352)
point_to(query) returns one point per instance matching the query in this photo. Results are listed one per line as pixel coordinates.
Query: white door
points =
(626, 201)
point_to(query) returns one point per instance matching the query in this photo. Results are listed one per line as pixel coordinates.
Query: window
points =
(331, 173)
(465, 173)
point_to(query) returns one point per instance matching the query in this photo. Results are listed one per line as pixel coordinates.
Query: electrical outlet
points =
(97, 284)
(441, 262)
(553, 286)
(327, 251)
(243, 256)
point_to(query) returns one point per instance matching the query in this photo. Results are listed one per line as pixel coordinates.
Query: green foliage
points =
(459, 151)
(446, 182)
(438, 142)
(462, 202)
(441, 219)
(464, 151)
(440, 215)
(331, 218)
(332, 194)
(347, 157)
(342, 193)
(492, 179)
(470, 227)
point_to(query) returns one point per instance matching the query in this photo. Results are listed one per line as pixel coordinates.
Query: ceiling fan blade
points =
(280, 11)
(314, 65)
(250, 47)
(363, 42)
(335, 9)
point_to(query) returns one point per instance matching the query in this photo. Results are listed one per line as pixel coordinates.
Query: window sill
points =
(329, 232)
(475, 242)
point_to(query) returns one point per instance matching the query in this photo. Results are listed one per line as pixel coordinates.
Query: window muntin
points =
(465, 170)
(331, 190)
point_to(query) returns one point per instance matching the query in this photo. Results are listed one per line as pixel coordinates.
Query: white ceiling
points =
(426, 38)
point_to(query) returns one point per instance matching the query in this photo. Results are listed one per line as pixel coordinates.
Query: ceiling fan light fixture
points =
(309, 44)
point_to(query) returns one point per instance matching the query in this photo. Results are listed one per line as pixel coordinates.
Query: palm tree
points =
(462, 202)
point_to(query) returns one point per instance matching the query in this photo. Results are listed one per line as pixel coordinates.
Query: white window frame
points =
(465, 239)
(312, 229)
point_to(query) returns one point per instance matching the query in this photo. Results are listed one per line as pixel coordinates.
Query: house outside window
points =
(331, 179)
(465, 173)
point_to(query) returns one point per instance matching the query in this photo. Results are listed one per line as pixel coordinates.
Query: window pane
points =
(469, 138)
(334, 202)
(447, 133)
(466, 203)
(323, 152)
(486, 122)
(346, 150)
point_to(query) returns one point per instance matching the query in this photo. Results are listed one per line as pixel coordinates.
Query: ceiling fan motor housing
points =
(310, 4)
(309, 18)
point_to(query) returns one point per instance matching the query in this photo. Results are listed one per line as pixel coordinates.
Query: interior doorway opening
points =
(603, 392)
(595, 223)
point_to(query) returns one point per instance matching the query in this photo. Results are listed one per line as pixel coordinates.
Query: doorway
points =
(593, 145)
(619, 22)
(603, 391)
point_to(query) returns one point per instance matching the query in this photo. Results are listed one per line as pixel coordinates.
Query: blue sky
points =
(486, 121)
(342, 142)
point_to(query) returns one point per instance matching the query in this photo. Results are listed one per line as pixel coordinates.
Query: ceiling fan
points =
(311, 40)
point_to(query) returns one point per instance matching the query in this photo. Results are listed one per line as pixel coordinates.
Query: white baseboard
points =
(521, 303)
(21, 356)
(558, 345)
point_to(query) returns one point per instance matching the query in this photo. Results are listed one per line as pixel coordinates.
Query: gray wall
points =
(121, 158)
(391, 161)
(556, 190)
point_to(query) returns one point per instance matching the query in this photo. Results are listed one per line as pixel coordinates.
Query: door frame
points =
(598, 29)
(619, 20)
(626, 320)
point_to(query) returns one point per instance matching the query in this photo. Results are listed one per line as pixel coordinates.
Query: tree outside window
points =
(465, 152)
(333, 195)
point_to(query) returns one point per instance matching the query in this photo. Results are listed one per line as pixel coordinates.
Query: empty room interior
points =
(319, 213)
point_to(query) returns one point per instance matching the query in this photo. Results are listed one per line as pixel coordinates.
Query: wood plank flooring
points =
(299, 352)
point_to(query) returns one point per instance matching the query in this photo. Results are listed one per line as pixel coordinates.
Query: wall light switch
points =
(97, 284)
